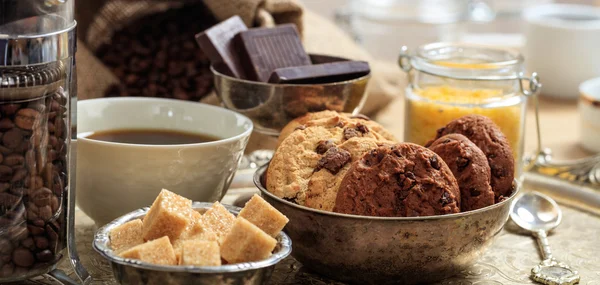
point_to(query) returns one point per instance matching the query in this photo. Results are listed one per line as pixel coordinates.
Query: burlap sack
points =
(99, 19)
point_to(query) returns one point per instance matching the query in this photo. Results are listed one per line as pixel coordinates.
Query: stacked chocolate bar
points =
(273, 55)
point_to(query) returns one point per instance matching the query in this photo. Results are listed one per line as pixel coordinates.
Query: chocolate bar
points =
(263, 50)
(320, 73)
(217, 44)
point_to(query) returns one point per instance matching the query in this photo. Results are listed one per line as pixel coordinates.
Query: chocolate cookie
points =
(486, 135)
(402, 180)
(321, 118)
(310, 150)
(470, 168)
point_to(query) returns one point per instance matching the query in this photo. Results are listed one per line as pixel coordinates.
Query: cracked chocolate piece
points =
(324, 146)
(334, 159)
(470, 168)
(398, 181)
(357, 131)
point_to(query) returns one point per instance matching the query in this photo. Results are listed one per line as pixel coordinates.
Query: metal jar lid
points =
(26, 82)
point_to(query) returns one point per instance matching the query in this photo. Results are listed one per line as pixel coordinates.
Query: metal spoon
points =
(539, 214)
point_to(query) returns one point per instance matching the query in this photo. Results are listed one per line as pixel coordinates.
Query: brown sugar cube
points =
(196, 230)
(260, 213)
(126, 236)
(158, 251)
(200, 253)
(219, 220)
(246, 242)
(168, 216)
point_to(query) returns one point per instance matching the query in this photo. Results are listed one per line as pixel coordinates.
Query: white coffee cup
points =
(116, 178)
(589, 112)
(562, 46)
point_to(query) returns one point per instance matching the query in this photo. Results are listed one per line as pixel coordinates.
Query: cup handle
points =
(480, 11)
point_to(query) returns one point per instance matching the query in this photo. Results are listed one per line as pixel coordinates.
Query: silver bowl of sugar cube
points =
(212, 243)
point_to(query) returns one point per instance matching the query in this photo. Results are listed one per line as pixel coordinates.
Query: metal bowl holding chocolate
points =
(271, 106)
(133, 271)
(365, 209)
(265, 74)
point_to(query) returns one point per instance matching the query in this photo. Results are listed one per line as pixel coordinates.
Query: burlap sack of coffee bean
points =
(147, 47)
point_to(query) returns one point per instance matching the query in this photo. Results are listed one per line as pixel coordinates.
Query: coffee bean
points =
(28, 243)
(45, 213)
(14, 159)
(6, 124)
(51, 127)
(55, 107)
(41, 197)
(52, 155)
(4, 150)
(26, 118)
(41, 242)
(5, 246)
(4, 187)
(12, 138)
(9, 109)
(34, 182)
(7, 270)
(6, 257)
(19, 175)
(6, 173)
(52, 235)
(53, 141)
(39, 222)
(22, 148)
(44, 256)
(9, 201)
(35, 230)
(23, 257)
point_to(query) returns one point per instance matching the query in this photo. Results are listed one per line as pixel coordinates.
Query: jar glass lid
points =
(468, 61)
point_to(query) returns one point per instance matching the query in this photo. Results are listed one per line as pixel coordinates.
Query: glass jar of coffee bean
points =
(34, 136)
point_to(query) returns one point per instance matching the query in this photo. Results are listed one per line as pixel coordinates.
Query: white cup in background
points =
(562, 46)
(589, 111)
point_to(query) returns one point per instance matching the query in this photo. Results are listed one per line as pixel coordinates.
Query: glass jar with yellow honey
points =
(448, 81)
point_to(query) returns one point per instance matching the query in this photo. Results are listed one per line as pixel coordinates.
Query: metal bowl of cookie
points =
(388, 250)
(272, 106)
(128, 271)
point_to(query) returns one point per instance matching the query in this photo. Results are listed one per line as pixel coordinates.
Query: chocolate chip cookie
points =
(484, 133)
(311, 150)
(401, 180)
(470, 168)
